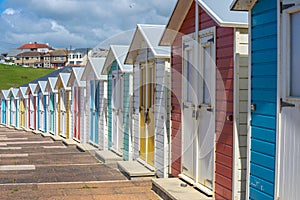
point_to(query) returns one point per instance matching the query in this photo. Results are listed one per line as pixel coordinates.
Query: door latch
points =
(285, 104)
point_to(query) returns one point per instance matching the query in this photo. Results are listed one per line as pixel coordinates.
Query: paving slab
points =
(56, 138)
(85, 147)
(16, 167)
(134, 169)
(46, 134)
(69, 142)
(107, 156)
(176, 189)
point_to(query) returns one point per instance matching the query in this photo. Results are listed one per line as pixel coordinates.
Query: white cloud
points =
(80, 23)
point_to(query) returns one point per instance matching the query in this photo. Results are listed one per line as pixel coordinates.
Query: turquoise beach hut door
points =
(11, 117)
(3, 108)
(92, 113)
(45, 113)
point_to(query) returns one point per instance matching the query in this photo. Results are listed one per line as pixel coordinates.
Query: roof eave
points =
(242, 5)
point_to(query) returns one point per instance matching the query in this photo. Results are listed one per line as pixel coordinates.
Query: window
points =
(294, 55)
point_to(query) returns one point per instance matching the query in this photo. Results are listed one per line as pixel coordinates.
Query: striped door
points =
(263, 100)
(39, 111)
(52, 113)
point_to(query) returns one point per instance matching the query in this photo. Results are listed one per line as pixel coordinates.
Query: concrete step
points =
(56, 138)
(134, 169)
(108, 157)
(85, 147)
(69, 142)
(46, 134)
(176, 189)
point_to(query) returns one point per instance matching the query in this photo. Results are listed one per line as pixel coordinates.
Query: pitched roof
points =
(52, 74)
(29, 54)
(151, 34)
(50, 86)
(94, 65)
(31, 88)
(118, 53)
(22, 92)
(13, 92)
(218, 10)
(41, 85)
(242, 5)
(63, 78)
(14, 52)
(35, 45)
(76, 75)
(4, 94)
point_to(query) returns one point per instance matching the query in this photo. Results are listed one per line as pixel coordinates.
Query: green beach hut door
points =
(199, 111)
(117, 116)
(289, 125)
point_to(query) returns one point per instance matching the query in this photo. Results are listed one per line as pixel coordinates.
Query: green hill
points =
(15, 76)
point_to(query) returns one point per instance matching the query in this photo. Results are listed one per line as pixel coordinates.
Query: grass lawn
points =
(15, 76)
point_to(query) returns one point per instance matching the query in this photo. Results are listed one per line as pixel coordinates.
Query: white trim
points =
(278, 114)
(249, 108)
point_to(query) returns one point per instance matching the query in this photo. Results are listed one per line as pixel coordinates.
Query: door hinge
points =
(285, 6)
(285, 104)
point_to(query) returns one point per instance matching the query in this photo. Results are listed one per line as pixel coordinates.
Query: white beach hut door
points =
(117, 112)
(189, 98)
(31, 101)
(205, 111)
(63, 112)
(198, 109)
(289, 121)
(41, 112)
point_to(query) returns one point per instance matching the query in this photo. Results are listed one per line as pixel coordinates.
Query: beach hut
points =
(209, 96)
(42, 104)
(119, 91)
(52, 106)
(63, 104)
(14, 107)
(152, 98)
(95, 113)
(78, 102)
(4, 107)
(23, 98)
(31, 107)
(274, 98)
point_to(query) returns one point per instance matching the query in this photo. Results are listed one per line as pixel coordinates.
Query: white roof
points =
(152, 35)
(41, 85)
(22, 92)
(4, 94)
(221, 13)
(118, 53)
(76, 75)
(51, 84)
(13, 92)
(94, 65)
(218, 10)
(31, 88)
(64, 78)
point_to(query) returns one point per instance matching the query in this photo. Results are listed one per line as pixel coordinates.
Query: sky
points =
(77, 23)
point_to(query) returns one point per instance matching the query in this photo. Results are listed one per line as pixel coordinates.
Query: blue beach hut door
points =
(3, 105)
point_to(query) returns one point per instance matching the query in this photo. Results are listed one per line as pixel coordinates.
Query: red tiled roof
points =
(34, 45)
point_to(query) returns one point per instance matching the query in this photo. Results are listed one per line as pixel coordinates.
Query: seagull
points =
(132, 5)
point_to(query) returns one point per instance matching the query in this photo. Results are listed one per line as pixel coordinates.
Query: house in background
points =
(34, 46)
(29, 59)
(55, 59)
(209, 100)
(151, 98)
(23, 98)
(78, 57)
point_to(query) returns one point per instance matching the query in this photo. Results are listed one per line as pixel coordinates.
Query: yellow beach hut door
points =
(147, 113)
(199, 110)
(22, 112)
